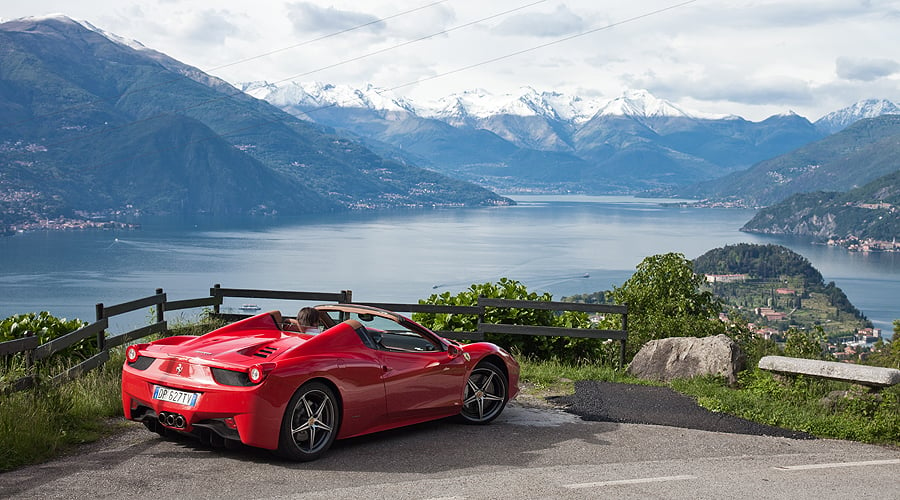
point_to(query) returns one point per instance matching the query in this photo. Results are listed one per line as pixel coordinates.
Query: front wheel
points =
(310, 423)
(485, 394)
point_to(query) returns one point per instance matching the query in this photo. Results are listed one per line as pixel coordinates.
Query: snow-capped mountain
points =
(316, 94)
(842, 118)
(640, 103)
(633, 142)
(471, 105)
(480, 104)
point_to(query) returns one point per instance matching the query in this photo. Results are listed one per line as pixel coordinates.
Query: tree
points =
(886, 354)
(664, 300)
(808, 344)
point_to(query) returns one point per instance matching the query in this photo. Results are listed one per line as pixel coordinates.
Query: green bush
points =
(563, 348)
(823, 408)
(809, 344)
(46, 328)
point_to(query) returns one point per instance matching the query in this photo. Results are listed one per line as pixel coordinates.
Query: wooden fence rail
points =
(35, 352)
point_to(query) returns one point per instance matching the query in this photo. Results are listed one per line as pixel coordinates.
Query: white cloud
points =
(560, 22)
(865, 69)
(210, 27)
(307, 17)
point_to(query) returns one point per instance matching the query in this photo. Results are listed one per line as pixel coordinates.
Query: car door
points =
(422, 385)
(421, 379)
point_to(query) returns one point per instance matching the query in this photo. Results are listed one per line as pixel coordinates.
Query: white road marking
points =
(629, 481)
(838, 464)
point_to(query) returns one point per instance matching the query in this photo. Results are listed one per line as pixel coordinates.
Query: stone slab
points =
(858, 374)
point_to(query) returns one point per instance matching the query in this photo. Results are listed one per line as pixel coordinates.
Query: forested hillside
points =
(781, 280)
(91, 125)
(859, 154)
(871, 212)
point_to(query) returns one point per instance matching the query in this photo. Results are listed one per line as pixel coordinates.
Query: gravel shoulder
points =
(637, 404)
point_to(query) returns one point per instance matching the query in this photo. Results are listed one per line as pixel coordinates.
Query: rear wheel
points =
(310, 423)
(485, 394)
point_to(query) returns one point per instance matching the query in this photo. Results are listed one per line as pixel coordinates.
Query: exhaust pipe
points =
(173, 420)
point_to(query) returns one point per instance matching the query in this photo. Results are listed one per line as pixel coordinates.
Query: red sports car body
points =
(264, 383)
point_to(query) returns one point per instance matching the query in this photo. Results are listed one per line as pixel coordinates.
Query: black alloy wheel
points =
(310, 423)
(485, 394)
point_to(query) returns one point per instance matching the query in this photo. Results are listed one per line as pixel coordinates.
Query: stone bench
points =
(872, 376)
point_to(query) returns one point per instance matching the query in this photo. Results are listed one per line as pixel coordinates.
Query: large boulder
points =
(687, 357)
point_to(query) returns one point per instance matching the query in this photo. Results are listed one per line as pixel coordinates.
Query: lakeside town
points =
(865, 245)
(65, 224)
(852, 345)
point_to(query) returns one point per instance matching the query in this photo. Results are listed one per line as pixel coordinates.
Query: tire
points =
(485, 394)
(310, 423)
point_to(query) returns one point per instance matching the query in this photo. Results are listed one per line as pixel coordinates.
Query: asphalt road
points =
(527, 453)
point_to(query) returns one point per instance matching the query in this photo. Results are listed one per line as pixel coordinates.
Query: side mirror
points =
(454, 350)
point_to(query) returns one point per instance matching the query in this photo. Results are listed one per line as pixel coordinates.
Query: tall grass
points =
(48, 420)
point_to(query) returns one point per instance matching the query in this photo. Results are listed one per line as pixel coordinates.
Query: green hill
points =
(859, 154)
(778, 278)
(89, 124)
(870, 212)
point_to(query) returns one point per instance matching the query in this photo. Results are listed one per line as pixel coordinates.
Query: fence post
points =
(160, 308)
(101, 335)
(215, 292)
(29, 354)
(623, 341)
(347, 296)
(480, 316)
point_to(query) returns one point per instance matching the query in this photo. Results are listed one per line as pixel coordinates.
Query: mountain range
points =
(862, 152)
(91, 123)
(548, 141)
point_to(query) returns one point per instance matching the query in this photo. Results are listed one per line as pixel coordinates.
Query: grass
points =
(47, 421)
(823, 408)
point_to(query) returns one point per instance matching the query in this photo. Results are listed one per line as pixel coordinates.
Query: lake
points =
(561, 244)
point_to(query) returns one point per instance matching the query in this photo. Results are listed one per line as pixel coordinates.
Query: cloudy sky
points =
(753, 58)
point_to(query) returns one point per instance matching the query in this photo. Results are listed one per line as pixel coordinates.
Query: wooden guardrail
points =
(35, 352)
(547, 331)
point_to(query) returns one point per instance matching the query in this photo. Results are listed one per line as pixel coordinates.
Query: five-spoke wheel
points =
(485, 394)
(310, 423)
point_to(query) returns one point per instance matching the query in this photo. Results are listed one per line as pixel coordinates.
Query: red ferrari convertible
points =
(263, 382)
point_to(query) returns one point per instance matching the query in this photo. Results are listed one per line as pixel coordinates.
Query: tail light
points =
(258, 372)
(133, 352)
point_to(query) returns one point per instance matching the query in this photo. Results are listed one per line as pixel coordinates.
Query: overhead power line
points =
(544, 45)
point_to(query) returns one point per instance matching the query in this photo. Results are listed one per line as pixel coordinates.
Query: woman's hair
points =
(308, 316)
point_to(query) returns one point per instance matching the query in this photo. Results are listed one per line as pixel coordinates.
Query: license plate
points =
(175, 396)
